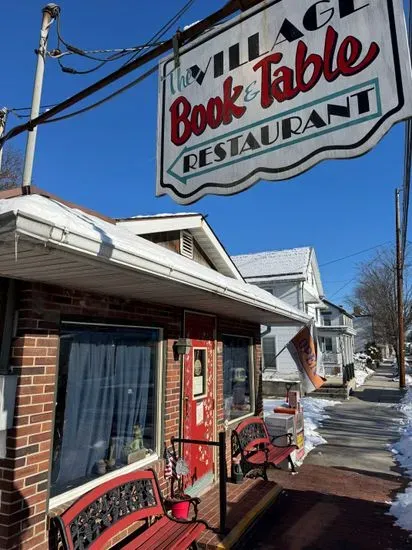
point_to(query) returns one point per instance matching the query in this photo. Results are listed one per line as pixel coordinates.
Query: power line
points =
(116, 54)
(185, 36)
(354, 254)
(108, 98)
(344, 286)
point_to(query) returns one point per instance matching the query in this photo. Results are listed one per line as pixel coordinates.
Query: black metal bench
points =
(257, 450)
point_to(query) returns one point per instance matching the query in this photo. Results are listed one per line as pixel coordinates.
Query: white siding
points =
(289, 292)
(285, 365)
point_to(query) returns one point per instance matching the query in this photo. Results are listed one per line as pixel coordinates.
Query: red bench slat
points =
(166, 534)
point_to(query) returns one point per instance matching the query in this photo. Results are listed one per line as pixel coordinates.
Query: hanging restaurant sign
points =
(276, 90)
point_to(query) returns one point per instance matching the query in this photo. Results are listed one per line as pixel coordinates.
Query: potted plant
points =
(178, 502)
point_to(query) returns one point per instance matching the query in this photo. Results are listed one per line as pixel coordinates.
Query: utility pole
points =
(3, 122)
(399, 286)
(49, 14)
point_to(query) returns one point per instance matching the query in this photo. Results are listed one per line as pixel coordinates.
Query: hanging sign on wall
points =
(278, 89)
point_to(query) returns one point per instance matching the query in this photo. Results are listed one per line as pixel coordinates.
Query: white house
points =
(336, 338)
(294, 277)
(364, 332)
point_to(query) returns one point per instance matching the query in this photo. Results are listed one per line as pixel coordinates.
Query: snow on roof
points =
(163, 215)
(75, 227)
(276, 263)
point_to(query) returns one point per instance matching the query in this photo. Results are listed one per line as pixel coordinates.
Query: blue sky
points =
(105, 159)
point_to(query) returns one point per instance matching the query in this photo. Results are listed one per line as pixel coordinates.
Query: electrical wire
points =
(117, 54)
(105, 99)
(344, 286)
(354, 254)
(166, 27)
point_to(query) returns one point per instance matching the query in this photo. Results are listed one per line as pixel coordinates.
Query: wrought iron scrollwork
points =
(250, 433)
(110, 508)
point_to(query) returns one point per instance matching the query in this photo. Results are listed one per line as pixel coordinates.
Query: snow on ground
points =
(402, 506)
(361, 375)
(408, 379)
(314, 416)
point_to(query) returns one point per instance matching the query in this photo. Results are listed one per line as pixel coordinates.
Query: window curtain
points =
(110, 390)
(134, 384)
(90, 399)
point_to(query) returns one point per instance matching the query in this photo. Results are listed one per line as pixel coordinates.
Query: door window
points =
(199, 372)
(238, 377)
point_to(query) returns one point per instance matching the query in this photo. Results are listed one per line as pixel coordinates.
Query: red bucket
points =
(180, 510)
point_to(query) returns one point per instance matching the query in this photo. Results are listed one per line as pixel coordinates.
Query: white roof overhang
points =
(197, 226)
(337, 329)
(53, 244)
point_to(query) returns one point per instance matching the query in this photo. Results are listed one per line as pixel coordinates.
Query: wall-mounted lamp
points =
(182, 346)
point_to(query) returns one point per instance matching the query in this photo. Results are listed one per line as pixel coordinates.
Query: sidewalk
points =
(341, 496)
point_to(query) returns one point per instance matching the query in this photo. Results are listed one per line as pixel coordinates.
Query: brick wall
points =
(24, 473)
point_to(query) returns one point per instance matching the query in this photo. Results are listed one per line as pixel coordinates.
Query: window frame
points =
(264, 367)
(202, 395)
(251, 351)
(76, 492)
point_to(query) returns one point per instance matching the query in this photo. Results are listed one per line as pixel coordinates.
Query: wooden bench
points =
(257, 450)
(99, 515)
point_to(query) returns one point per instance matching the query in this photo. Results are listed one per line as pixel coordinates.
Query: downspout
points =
(8, 381)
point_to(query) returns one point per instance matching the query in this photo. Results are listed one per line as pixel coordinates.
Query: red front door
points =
(198, 399)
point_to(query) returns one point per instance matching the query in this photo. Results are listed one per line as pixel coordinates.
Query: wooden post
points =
(399, 286)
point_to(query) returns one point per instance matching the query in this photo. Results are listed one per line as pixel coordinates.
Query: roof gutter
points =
(145, 261)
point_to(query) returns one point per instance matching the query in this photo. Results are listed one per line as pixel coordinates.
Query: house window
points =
(327, 322)
(105, 416)
(326, 344)
(269, 352)
(238, 376)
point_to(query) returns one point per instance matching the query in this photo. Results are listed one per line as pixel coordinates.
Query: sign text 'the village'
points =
(274, 91)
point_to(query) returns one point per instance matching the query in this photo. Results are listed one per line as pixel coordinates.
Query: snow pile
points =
(314, 416)
(402, 507)
(362, 374)
(361, 357)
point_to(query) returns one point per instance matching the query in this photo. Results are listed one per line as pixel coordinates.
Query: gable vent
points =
(186, 244)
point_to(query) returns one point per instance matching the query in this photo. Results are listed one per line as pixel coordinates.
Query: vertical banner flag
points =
(303, 350)
(270, 93)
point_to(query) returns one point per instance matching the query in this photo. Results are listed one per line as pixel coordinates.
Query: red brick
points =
(24, 472)
(29, 389)
(45, 360)
(37, 438)
(43, 379)
(39, 457)
(35, 418)
(28, 409)
(43, 398)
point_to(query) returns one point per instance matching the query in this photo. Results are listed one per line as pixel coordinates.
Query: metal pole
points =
(222, 481)
(399, 286)
(3, 122)
(49, 13)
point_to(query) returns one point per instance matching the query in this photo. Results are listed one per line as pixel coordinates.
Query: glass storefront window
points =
(106, 402)
(238, 376)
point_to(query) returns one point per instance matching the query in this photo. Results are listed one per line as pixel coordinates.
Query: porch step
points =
(245, 503)
(336, 393)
